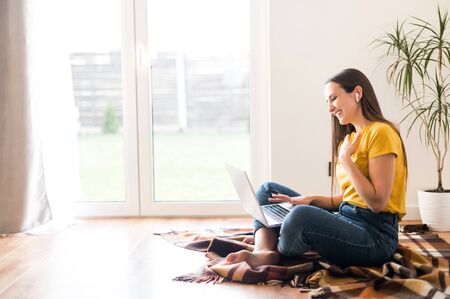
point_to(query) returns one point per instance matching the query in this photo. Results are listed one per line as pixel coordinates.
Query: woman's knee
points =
(301, 216)
(265, 191)
(292, 240)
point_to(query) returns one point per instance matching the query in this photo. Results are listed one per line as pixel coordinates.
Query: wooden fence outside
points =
(189, 93)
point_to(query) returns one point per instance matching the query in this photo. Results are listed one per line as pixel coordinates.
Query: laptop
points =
(271, 215)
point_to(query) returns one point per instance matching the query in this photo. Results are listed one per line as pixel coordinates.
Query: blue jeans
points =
(354, 236)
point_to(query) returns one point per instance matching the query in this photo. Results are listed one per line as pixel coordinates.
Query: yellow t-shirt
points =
(377, 139)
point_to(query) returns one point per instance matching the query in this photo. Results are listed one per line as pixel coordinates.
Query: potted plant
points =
(419, 68)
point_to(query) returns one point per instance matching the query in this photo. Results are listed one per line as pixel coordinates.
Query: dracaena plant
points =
(418, 55)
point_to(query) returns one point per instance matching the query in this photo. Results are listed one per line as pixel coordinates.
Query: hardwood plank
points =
(114, 258)
(22, 259)
(117, 258)
(8, 243)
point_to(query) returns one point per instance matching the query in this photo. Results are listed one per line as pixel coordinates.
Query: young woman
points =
(370, 165)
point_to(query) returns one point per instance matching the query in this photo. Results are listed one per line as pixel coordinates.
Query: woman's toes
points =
(249, 240)
(254, 259)
(237, 257)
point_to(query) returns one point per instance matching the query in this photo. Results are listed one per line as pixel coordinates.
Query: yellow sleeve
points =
(383, 140)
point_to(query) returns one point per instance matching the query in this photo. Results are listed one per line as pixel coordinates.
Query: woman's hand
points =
(297, 200)
(348, 148)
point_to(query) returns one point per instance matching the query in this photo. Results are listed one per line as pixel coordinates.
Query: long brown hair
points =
(348, 79)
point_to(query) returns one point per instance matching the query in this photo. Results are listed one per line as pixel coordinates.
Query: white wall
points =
(311, 40)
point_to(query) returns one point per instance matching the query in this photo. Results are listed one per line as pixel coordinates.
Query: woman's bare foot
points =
(255, 258)
(249, 240)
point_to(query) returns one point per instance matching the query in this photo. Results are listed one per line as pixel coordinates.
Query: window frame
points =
(137, 120)
(130, 205)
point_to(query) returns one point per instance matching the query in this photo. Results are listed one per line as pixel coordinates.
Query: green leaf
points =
(419, 69)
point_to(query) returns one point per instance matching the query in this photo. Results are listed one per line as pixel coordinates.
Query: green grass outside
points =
(188, 166)
(102, 167)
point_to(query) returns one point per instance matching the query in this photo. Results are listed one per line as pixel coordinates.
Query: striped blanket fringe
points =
(408, 274)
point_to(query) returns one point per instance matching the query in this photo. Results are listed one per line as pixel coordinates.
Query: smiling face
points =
(341, 104)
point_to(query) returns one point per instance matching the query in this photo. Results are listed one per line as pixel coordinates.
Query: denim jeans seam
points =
(299, 236)
(288, 252)
(350, 243)
(331, 237)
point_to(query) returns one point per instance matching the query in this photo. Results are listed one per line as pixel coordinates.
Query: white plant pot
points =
(434, 210)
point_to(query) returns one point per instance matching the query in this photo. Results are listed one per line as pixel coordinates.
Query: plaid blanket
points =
(418, 269)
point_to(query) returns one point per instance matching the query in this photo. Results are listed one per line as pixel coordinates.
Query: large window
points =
(163, 93)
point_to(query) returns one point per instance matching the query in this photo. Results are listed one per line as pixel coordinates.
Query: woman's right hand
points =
(297, 200)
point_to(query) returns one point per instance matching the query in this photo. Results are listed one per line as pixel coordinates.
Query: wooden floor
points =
(116, 258)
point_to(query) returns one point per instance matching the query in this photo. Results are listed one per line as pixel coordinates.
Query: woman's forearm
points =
(326, 202)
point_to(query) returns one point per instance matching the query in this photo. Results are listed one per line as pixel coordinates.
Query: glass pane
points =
(97, 84)
(200, 96)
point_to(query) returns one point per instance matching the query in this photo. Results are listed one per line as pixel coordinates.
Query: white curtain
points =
(38, 146)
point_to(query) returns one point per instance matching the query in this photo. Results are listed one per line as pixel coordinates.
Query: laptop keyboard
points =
(277, 212)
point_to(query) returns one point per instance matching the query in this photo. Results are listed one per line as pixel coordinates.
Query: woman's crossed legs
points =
(335, 237)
